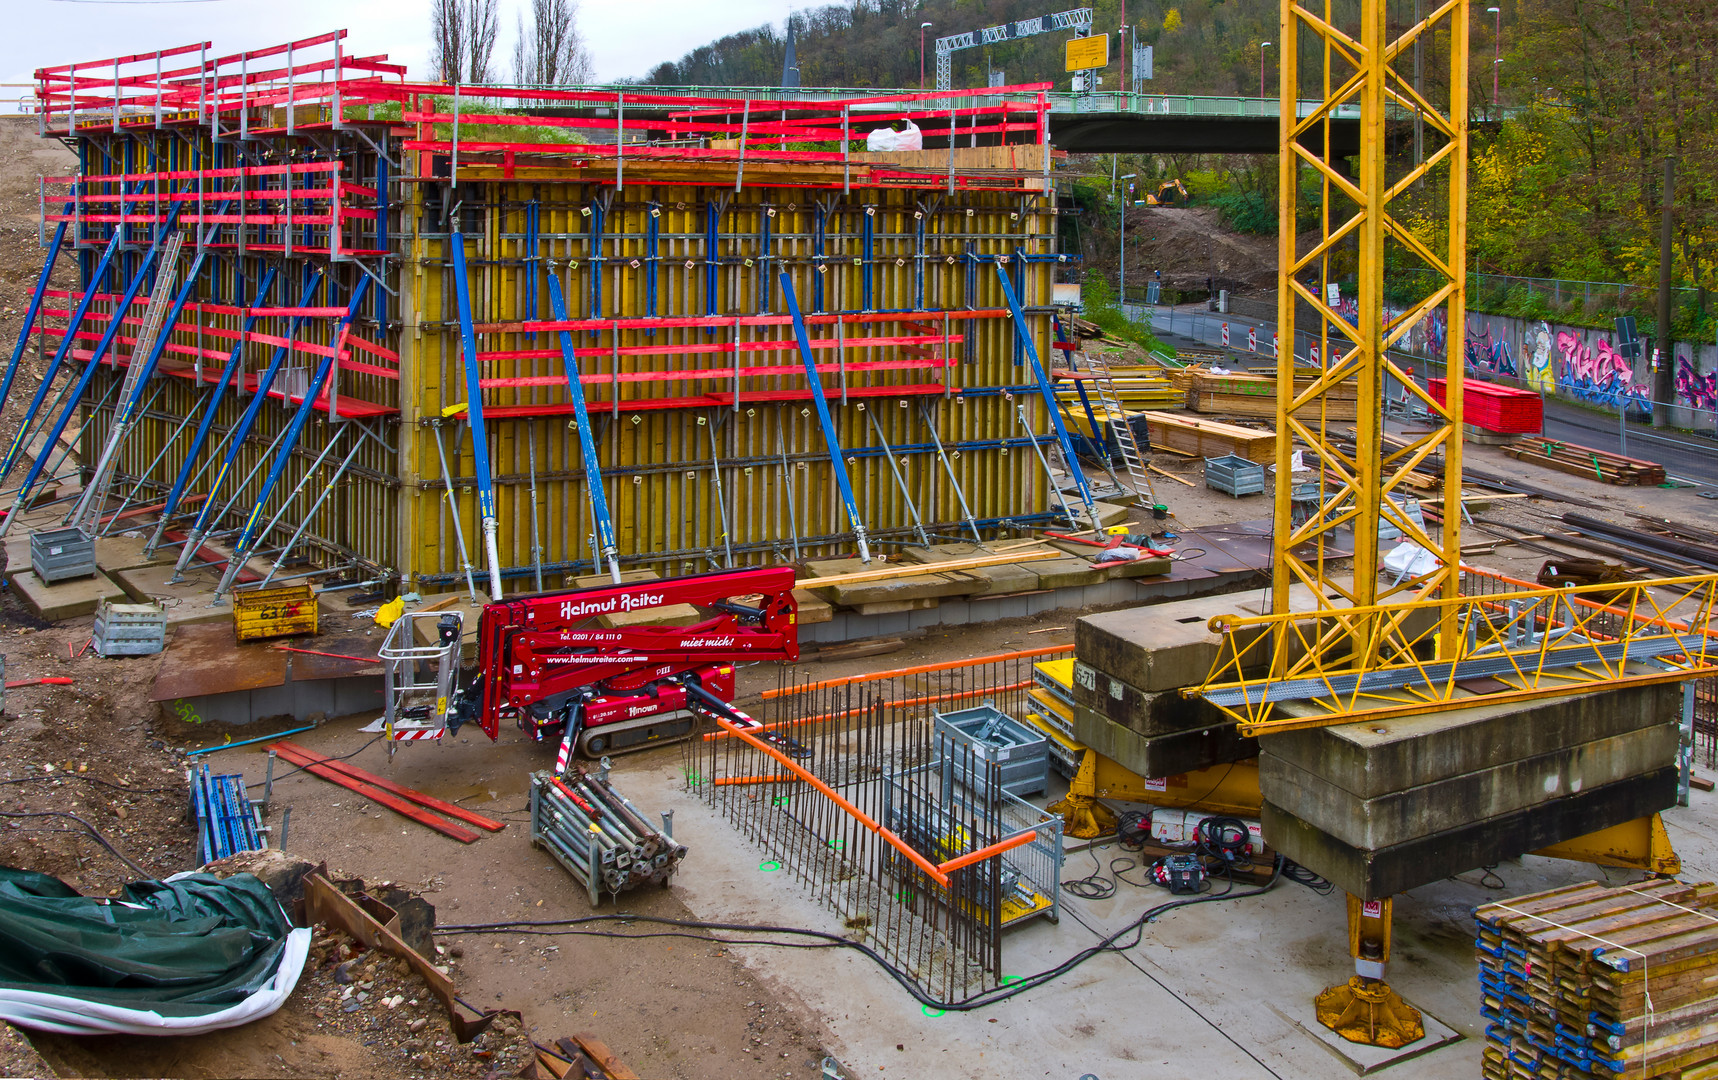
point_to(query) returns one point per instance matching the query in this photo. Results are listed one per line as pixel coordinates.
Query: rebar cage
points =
(870, 743)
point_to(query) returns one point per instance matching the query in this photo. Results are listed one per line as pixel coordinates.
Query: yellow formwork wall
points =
(660, 464)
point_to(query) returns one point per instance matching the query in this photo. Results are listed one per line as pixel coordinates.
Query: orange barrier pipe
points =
(859, 710)
(853, 811)
(1052, 650)
(984, 853)
(776, 779)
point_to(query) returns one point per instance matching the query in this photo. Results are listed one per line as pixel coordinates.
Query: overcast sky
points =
(625, 37)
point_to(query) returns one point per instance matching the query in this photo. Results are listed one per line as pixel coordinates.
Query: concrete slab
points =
(1064, 573)
(917, 587)
(1161, 713)
(1141, 568)
(1370, 760)
(813, 609)
(990, 580)
(893, 607)
(1375, 874)
(115, 553)
(1400, 816)
(65, 599)
(188, 601)
(1164, 755)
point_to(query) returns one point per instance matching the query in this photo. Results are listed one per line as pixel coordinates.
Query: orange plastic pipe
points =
(853, 811)
(776, 779)
(921, 669)
(984, 853)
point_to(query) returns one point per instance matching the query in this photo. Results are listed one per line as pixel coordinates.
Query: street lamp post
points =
(1121, 289)
(922, 28)
(1263, 45)
(1497, 56)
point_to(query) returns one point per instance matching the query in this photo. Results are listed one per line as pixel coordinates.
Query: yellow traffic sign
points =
(1085, 53)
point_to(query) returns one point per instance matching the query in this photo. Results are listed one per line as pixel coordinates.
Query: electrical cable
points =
(322, 761)
(1300, 875)
(93, 831)
(978, 1001)
(92, 780)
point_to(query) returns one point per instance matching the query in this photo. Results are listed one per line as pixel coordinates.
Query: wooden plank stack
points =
(1238, 393)
(1577, 460)
(1197, 437)
(1593, 981)
(1136, 387)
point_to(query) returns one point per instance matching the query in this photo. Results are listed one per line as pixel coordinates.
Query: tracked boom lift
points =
(544, 662)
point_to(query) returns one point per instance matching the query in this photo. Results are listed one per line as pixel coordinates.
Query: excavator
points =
(1169, 193)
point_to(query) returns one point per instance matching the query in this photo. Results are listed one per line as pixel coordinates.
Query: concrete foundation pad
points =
(66, 599)
(989, 580)
(1064, 573)
(813, 609)
(1142, 568)
(115, 553)
(188, 601)
(1361, 1059)
(1401, 816)
(895, 607)
(1163, 713)
(1164, 755)
(889, 590)
(1373, 875)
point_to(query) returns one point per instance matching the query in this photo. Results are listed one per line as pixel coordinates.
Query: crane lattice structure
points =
(1078, 20)
(1373, 648)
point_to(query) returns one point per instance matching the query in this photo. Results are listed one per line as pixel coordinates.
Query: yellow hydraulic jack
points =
(1365, 1009)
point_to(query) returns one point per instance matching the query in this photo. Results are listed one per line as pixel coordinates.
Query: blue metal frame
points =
(144, 270)
(1024, 337)
(228, 374)
(289, 441)
(829, 437)
(606, 545)
(242, 430)
(34, 308)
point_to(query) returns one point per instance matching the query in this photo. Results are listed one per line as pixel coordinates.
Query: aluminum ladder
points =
(154, 317)
(1109, 403)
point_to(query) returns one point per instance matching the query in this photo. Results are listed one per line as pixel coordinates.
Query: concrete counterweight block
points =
(1382, 807)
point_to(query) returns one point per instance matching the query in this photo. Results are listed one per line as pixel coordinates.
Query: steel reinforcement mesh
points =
(872, 743)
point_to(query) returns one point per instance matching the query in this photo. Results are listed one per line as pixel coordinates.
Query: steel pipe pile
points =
(598, 835)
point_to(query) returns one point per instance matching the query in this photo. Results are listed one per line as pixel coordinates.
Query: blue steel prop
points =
(1024, 337)
(606, 546)
(206, 514)
(829, 437)
(34, 308)
(60, 354)
(145, 267)
(204, 426)
(125, 412)
(474, 416)
(289, 442)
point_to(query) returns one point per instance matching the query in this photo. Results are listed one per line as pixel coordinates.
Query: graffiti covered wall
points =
(1583, 364)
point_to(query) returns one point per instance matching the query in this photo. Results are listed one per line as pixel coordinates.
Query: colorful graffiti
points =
(1541, 373)
(1694, 389)
(1425, 337)
(1485, 356)
(1600, 374)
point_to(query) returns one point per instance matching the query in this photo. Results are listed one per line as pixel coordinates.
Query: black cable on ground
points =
(989, 997)
(91, 780)
(93, 831)
(1300, 875)
(301, 768)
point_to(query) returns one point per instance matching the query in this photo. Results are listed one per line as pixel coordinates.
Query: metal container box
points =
(1235, 475)
(259, 614)
(1021, 752)
(130, 629)
(61, 554)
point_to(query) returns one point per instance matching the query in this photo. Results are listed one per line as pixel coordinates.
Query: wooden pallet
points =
(1577, 460)
(1198, 437)
(1238, 394)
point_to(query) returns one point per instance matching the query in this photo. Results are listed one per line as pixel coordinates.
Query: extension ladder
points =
(1109, 403)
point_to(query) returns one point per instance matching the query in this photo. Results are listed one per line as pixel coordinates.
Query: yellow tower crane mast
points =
(1375, 645)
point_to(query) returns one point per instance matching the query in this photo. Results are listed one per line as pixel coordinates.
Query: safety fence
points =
(901, 828)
